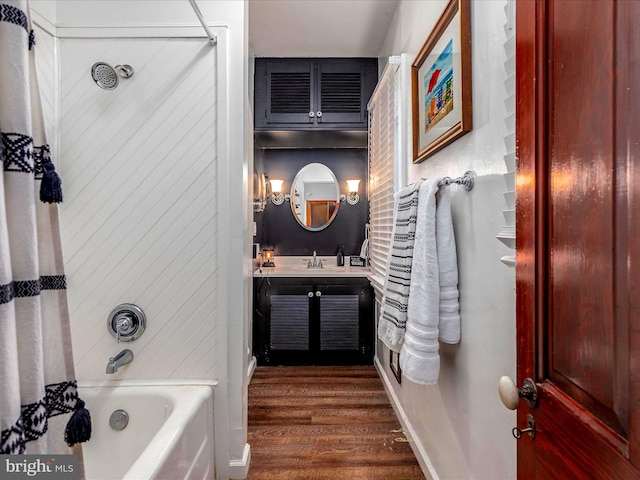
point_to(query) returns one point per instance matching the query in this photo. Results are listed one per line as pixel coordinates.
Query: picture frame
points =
(394, 365)
(441, 101)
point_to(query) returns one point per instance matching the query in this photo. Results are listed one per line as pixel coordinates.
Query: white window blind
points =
(383, 133)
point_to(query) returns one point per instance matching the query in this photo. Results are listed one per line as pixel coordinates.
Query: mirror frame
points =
(293, 198)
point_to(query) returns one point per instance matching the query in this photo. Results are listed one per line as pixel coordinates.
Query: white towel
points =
(448, 268)
(433, 298)
(364, 249)
(393, 314)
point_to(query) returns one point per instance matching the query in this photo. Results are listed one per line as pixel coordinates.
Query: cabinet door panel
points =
(339, 322)
(289, 322)
(340, 93)
(289, 92)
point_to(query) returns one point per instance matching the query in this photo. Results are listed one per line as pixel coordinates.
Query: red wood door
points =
(578, 242)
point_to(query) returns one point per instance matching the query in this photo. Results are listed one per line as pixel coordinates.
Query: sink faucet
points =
(123, 358)
(317, 263)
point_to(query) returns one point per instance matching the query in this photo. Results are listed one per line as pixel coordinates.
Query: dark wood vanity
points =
(313, 321)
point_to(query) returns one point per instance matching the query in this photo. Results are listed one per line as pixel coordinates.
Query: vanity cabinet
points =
(308, 94)
(306, 321)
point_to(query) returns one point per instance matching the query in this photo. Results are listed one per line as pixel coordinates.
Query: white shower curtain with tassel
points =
(37, 379)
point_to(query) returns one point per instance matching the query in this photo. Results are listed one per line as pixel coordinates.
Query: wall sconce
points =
(276, 191)
(352, 198)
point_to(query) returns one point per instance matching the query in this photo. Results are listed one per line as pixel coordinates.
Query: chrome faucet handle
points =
(309, 264)
(320, 263)
(124, 323)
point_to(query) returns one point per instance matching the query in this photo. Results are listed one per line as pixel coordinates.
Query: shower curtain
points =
(37, 379)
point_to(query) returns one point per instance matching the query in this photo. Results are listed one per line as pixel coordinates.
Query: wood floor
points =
(325, 423)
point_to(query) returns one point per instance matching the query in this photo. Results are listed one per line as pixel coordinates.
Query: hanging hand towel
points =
(419, 358)
(449, 324)
(393, 314)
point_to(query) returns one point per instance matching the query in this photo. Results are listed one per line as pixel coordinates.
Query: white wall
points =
(459, 428)
(144, 168)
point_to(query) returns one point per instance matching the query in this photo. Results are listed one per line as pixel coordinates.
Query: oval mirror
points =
(315, 197)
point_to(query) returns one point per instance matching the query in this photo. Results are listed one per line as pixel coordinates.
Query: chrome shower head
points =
(106, 76)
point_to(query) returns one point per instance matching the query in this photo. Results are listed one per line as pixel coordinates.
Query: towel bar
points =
(466, 180)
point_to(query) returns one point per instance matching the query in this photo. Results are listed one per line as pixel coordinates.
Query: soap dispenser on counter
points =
(340, 257)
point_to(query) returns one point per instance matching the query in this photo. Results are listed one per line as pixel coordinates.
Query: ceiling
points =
(319, 28)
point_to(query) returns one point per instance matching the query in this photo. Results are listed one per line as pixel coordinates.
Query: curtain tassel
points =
(51, 186)
(79, 426)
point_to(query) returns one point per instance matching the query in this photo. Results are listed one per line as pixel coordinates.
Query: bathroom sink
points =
(304, 267)
(297, 267)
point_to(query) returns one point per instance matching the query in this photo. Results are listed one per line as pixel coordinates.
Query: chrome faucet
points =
(123, 358)
(317, 263)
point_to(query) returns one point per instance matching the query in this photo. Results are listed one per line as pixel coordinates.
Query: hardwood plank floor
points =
(325, 423)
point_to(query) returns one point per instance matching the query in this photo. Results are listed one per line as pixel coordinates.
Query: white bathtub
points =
(169, 435)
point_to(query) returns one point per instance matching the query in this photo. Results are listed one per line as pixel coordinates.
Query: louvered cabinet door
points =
(313, 94)
(345, 324)
(289, 92)
(340, 96)
(290, 338)
(298, 322)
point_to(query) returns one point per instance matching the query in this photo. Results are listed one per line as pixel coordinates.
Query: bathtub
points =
(169, 434)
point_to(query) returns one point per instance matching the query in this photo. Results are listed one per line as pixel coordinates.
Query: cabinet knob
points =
(319, 114)
(312, 114)
(310, 294)
(318, 294)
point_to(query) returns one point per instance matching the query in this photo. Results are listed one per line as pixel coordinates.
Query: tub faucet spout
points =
(123, 358)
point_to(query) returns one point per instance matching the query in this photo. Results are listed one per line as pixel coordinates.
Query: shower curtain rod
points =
(212, 38)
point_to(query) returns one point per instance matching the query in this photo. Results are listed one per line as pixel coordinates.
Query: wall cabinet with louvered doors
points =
(307, 94)
(299, 321)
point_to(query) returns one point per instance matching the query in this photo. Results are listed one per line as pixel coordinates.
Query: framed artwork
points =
(441, 83)
(394, 364)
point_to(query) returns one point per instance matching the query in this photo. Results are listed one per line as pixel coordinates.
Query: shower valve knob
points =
(126, 322)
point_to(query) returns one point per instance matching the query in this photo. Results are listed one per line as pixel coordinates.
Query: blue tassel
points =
(51, 186)
(79, 425)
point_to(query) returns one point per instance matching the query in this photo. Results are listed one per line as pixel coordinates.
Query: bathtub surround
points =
(145, 168)
(168, 435)
(37, 378)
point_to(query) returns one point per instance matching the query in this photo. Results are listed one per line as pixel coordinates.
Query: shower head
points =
(106, 76)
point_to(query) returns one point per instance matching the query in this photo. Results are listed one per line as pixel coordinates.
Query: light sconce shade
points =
(268, 258)
(276, 191)
(353, 197)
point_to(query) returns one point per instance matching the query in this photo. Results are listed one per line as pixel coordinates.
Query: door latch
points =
(531, 429)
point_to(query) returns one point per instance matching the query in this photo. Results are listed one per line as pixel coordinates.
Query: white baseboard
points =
(416, 445)
(239, 468)
(251, 369)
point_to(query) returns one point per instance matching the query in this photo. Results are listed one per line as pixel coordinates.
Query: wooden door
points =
(578, 241)
(319, 212)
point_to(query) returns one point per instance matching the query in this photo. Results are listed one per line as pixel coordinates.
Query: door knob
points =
(511, 395)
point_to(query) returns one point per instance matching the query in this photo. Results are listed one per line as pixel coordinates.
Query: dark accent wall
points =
(276, 226)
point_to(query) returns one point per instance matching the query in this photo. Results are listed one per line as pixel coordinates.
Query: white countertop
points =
(297, 267)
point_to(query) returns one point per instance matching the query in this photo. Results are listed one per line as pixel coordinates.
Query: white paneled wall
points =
(139, 219)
